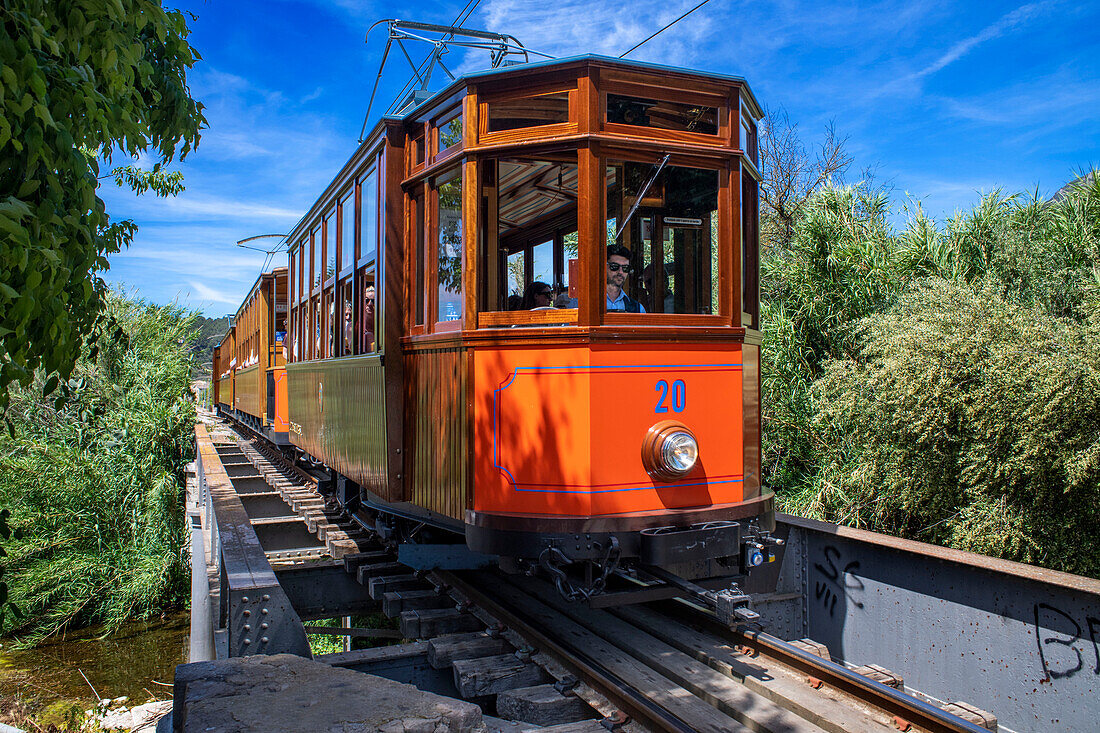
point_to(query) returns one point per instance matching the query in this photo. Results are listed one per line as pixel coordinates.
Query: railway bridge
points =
(856, 630)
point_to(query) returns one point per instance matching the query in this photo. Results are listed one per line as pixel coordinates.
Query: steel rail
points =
(915, 711)
(630, 700)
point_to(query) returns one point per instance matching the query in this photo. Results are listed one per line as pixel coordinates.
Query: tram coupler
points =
(730, 605)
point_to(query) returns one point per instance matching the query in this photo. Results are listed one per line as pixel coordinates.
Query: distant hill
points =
(208, 334)
(1064, 191)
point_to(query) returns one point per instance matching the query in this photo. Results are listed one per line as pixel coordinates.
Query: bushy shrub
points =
(967, 420)
(992, 446)
(841, 264)
(96, 485)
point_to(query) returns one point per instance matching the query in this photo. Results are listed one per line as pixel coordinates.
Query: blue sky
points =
(942, 99)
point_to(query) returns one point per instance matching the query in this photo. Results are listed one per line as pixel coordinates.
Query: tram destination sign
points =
(682, 221)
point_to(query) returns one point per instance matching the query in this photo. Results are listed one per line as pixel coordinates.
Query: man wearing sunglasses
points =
(618, 267)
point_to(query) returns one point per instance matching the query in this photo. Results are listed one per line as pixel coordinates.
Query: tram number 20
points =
(678, 397)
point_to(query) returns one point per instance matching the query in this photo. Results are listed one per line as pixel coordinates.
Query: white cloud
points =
(207, 294)
(1005, 23)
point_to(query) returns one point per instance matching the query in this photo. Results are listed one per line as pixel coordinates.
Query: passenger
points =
(368, 318)
(349, 329)
(538, 295)
(515, 302)
(618, 267)
(564, 301)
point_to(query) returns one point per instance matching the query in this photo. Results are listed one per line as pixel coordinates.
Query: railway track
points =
(663, 666)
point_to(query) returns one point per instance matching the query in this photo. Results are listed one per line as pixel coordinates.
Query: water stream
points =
(137, 661)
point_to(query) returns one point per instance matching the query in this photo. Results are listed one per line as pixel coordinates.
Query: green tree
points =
(80, 82)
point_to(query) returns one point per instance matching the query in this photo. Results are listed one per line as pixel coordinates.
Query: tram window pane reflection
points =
(543, 109)
(347, 231)
(661, 114)
(450, 133)
(449, 244)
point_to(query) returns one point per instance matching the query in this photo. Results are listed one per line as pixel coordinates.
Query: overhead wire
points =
(662, 30)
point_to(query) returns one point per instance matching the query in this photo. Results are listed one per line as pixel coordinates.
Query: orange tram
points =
(525, 314)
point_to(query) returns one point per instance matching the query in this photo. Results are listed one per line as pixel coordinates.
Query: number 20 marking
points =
(679, 396)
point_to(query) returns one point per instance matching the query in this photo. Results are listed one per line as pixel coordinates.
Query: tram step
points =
(493, 675)
(432, 622)
(393, 604)
(354, 560)
(365, 572)
(444, 651)
(541, 705)
(380, 585)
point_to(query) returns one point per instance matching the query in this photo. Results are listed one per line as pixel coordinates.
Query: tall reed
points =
(96, 486)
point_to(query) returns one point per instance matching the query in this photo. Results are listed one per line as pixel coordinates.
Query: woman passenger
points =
(538, 295)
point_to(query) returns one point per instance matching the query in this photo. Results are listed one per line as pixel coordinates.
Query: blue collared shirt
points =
(619, 304)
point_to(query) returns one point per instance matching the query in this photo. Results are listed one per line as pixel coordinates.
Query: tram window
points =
(517, 279)
(532, 111)
(329, 315)
(330, 244)
(368, 318)
(318, 263)
(418, 256)
(662, 114)
(530, 245)
(450, 132)
(666, 217)
(314, 328)
(750, 236)
(418, 150)
(368, 209)
(748, 135)
(448, 228)
(347, 231)
(346, 309)
(303, 270)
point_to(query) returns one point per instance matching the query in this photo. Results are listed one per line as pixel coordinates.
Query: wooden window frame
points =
(431, 245)
(419, 134)
(350, 194)
(553, 129)
(749, 240)
(728, 262)
(316, 251)
(665, 94)
(328, 220)
(748, 140)
(444, 117)
(416, 229)
(373, 167)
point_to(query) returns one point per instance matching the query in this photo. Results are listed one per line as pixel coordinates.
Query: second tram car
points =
(250, 382)
(525, 311)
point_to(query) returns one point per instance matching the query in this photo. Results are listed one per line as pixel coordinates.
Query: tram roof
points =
(370, 139)
(504, 71)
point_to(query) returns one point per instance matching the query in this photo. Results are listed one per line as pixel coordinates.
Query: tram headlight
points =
(669, 450)
(679, 451)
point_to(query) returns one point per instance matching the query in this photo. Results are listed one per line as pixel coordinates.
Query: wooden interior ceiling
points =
(530, 190)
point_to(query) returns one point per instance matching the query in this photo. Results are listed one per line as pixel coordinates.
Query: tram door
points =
(679, 265)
